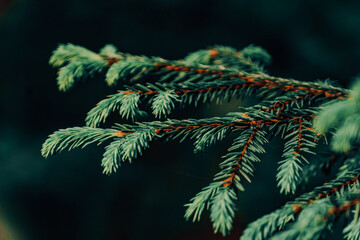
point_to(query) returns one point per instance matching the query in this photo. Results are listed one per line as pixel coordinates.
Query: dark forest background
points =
(67, 196)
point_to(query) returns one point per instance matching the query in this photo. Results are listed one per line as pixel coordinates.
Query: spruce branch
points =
(111, 155)
(344, 116)
(350, 161)
(187, 94)
(257, 81)
(243, 160)
(223, 210)
(302, 138)
(295, 110)
(210, 137)
(352, 230)
(164, 103)
(220, 195)
(69, 53)
(201, 201)
(128, 141)
(75, 70)
(137, 68)
(323, 214)
(310, 225)
(250, 59)
(269, 224)
(75, 137)
(79, 61)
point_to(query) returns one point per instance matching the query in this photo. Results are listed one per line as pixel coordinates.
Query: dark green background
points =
(66, 196)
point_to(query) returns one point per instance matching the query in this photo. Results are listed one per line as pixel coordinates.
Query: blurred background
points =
(67, 196)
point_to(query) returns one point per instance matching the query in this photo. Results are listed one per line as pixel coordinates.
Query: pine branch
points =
(269, 224)
(164, 103)
(210, 137)
(137, 68)
(302, 138)
(351, 162)
(111, 154)
(323, 214)
(344, 116)
(69, 52)
(78, 69)
(310, 225)
(242, 79)
(352, 230)
(217, 74)
(75, 137)
(200, 201)
(135, 138)
(249, 59)
(186, 94)
(220, 195)
(81, 61)
(243, 161)
(206, 131)
(223, 210)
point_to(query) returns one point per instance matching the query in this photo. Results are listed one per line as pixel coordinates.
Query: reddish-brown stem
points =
(281, 105)
(112, 60)
(297, 152)
(121, 134)
(262, 83)
(256, 81)
(251, 80)
(298, 207)
(337, 210)
(183, 128)
(234, 87)
(241, 123)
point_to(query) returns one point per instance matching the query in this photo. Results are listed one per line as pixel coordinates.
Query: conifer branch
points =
(268, 225)
(183, 94)
(350, 161)
(82, 62)
(75, 137)
(223, 210)
(136, 68)
(220, 195)
(250, 59)
(229, 181)
(302, 138)
(323, 214)
(217, 74)
(337, 210)
(352, 230)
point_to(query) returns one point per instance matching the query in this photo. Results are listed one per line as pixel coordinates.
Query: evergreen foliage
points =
(299, 112)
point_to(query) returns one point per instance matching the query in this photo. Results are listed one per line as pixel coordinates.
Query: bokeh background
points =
(67, 196)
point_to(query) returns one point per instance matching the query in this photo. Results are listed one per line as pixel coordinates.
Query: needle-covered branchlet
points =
(298, 112)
